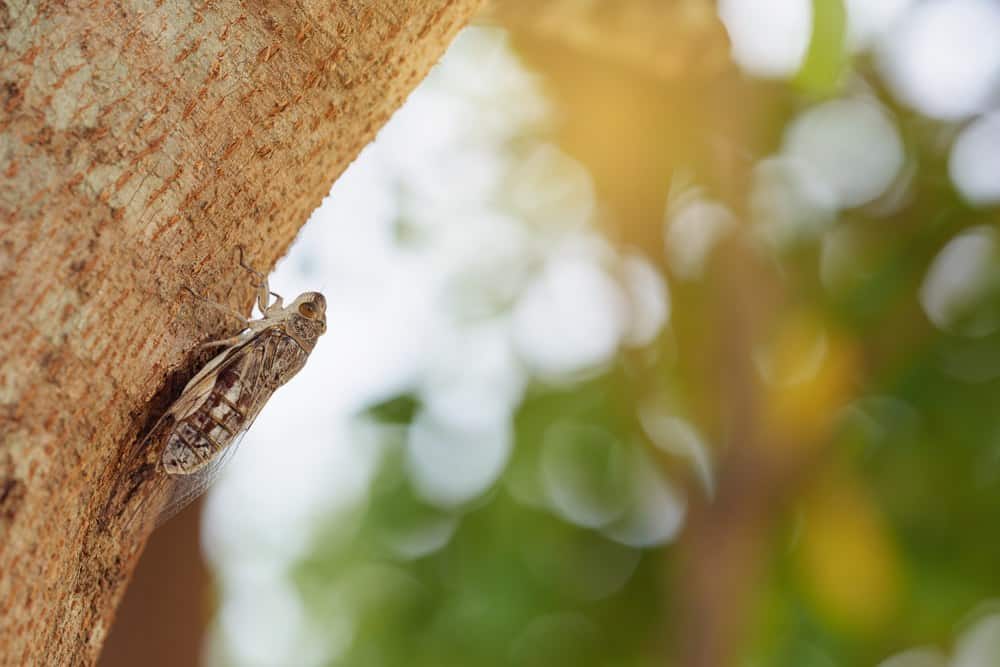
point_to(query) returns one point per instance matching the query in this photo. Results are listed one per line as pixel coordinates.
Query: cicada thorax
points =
(306, 331)
(240, 387)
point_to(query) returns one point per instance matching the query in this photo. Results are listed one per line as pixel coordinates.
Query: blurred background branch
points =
(671, 41)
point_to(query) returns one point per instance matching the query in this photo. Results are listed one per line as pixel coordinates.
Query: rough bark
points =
(140, 143)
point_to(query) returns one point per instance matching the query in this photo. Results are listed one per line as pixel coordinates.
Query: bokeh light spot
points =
(649, 298)
(790, 201)
(692, 230)
(678, 437)
(473, 378)
(769, 39)
(917, 657)
(851, 145)
(419, 536)
(570, 319)
(655, 514)
(551, 190)
(586, 473)
(795, 354)
(261, 625)
(979, 646)
(812, 378)
(868, 21)
(943, 58)
(975, 160)
(451, 465)
(960, 289)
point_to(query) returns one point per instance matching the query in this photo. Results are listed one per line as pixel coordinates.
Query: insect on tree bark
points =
(199, 432)
(137, 138)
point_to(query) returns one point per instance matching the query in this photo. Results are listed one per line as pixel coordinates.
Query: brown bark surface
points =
(140, 143)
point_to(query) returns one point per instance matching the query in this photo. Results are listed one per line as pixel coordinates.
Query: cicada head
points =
(308, 317)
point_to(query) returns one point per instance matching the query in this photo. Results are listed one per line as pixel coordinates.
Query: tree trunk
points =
(139, 144)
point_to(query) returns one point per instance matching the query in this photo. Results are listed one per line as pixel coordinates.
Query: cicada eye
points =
(307, 309)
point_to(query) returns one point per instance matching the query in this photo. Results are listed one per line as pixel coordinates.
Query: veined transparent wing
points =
(241, 386)
(185, 489)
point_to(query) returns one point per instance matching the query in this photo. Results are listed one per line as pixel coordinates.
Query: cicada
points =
(202, 427)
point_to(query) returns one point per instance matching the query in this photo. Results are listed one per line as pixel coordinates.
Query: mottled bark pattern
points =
(139, 142)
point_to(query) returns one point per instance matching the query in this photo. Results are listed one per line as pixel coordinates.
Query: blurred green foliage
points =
(876, 478)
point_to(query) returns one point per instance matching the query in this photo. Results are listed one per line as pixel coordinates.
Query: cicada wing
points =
(185, 489)
(137, 469)
(255, 369)
(140, 466)
(202, 384)
(251, 355)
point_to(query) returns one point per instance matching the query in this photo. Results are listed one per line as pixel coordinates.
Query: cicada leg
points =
(218, 306)
(263, 291)
(223, 342)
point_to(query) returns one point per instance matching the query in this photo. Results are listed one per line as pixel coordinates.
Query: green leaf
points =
(399, 410)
